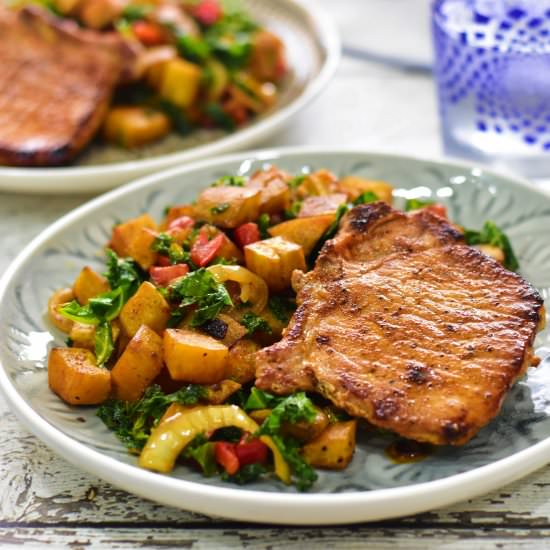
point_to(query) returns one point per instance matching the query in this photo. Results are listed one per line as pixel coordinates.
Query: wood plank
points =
(273, 539)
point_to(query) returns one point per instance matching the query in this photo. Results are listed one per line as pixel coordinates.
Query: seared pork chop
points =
(55, 88)
(403, 324)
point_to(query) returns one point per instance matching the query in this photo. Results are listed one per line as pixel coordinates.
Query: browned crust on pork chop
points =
(403, 324)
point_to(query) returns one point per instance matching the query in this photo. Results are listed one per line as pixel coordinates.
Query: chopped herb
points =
(294, 408)
(282, 307)
(133, 13)
(193, 49)
(259, 399)
(328, 234)
(166, 210)
(492, 235)
(200, 288)
(297, 181)
(179, 121)
(246, 474)
(69, 342)
(293, 211)
(417, 204)
(132, 421)
(219, 116)
(220, 208)
(202, 452)
(165, 245)
(263, 223)
(254, 323)
(123, 273)
(104, 345)
(232, 181)
(366, 198)
(304, 475)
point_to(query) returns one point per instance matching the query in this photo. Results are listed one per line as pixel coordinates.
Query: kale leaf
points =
(366, 197)
(132, 421)
(492, 235)
(253, 323)
(417, 204)
(201, 289)
(282, 307)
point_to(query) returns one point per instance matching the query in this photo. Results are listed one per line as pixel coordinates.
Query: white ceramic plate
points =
(313, 50)
(372, 487)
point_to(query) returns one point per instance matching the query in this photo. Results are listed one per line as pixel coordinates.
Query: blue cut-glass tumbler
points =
(492, 68)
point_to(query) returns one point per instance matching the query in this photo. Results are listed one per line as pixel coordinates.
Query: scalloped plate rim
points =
(258, 506)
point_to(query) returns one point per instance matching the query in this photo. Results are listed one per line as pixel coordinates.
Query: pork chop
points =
(403, 324)
(55, 88)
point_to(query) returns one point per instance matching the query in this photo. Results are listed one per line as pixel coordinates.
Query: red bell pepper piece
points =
(208, 12)
(163, 261)
(149, 34)
(162, 276)
(183, 222)
(226, 456)
(247, 233)
(251, 452)
(204, 251)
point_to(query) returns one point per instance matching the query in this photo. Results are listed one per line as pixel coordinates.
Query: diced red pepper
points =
(247, 233)
(251, 452)
(183, 222)
(164, 261)
(149, 34)
(162, 276)
(226, 456)
(437, 209)
(204, 251)
(207, 12)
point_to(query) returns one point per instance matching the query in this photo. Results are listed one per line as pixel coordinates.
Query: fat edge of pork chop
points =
(403, 324)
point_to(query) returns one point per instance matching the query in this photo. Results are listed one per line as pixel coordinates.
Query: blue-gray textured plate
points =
(372, 487)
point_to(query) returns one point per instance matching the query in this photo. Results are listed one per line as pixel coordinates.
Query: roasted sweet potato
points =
(129, 239)
(275, 194)
(235, 331)
(134, 126)
(146, 307)
(353, 186)
(333, 449)
(179, 82)
(88, 284)
(324, 204)
(194, 357)
(75, 377)
(228, 206)
(57, 299)
(303, 231)
(219, 393)
(138, 366)
(274, 260)
(321, 182)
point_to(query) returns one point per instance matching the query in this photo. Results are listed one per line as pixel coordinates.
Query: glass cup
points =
(492, 69)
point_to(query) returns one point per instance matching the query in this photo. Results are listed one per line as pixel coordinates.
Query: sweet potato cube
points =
(138, 366)
(83, 336)
(319, 206)
(179, 82)
(227, 206)
(321, 182)
(334, 448)
(235, 331)
(230, 251)
(97, 14)
(125, 234)
(492, 251)
(218, 394)
(193, 357)
(134, 126)
(146, 307)
(274, 260)
(75, 377)
(303, 231)
(354, 186)
(274, 188)
(89, 284)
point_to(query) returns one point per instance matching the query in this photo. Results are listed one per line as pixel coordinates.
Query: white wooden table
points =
(47, 503)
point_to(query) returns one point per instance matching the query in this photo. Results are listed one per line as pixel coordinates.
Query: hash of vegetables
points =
(164, 340)
(200, 64)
